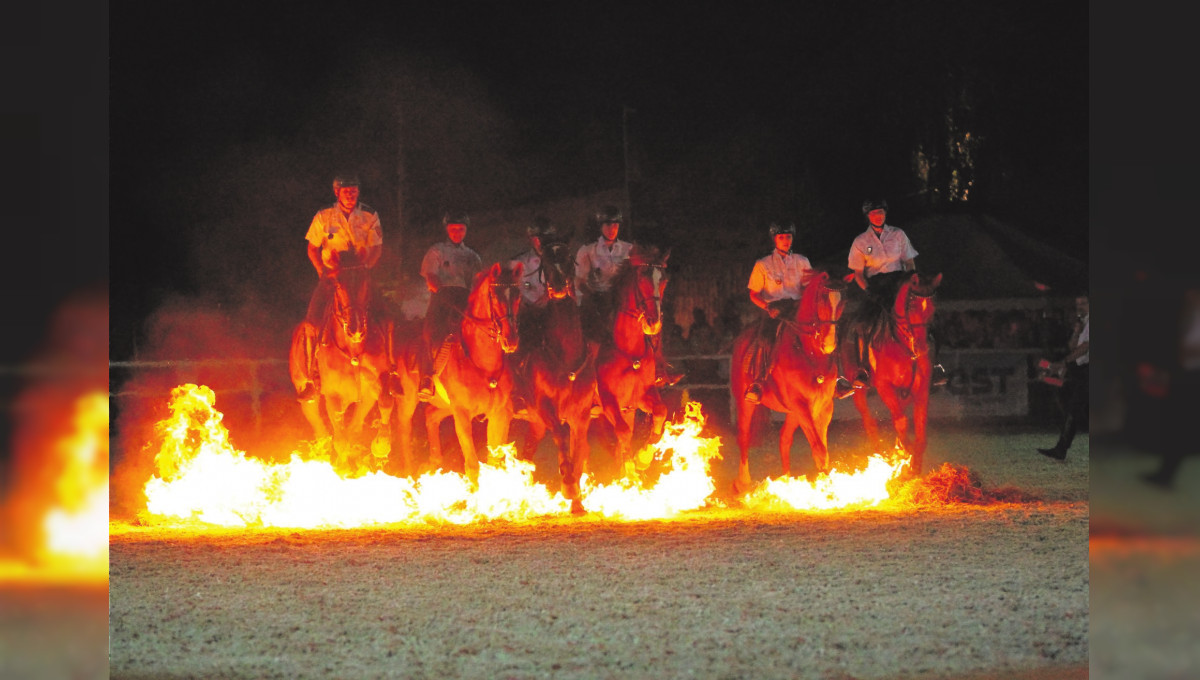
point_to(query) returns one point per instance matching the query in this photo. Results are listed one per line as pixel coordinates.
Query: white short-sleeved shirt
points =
(454, 265)
(597, 263)
(334, 232)
(779, 277)
(533, 288)
(880, 254)
(1084, 336)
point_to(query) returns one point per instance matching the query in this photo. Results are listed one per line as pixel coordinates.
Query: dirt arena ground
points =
(995, 590)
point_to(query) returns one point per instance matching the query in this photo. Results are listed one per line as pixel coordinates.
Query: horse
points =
(898, 356)
(560, 370)
(625, 371)
(352, 357)
(477, 379)
(801, 379)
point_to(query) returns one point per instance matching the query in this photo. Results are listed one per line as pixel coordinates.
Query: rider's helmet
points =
(344, 179)
(456, 217)
(607, 214)
(874, 204)
(777, 229)
(541, 228)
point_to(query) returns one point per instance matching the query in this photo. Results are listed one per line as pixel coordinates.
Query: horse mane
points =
(639, 256)
(875, 310)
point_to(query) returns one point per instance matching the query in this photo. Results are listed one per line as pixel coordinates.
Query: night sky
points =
(228, 121)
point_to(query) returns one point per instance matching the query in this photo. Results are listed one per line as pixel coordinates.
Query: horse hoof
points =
(740, 488)
(577, 507)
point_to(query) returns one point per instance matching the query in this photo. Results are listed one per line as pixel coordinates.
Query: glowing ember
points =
(864, 488)
(684, 485)
(203, 478)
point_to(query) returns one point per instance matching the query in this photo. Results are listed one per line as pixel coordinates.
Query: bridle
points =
(905, 326)
(492, 323)
(345, 312)
(641, 302)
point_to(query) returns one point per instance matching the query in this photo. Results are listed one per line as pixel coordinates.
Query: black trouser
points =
(442, 318)
(1075, 404)
(1180, 409)
(758, 356)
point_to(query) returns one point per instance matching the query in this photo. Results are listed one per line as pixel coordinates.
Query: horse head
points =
(497, 294)
(647, 282)
(351, 302)
(558, 269)
(820, 307)
(915, 306)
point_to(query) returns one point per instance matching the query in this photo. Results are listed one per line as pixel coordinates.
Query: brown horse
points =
(898, 356)
(476, 380)
(625, 367)
(561, 372)
(352, 357)
(801, 378)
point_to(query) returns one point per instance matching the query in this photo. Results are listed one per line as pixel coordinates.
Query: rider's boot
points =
(665, 374)
(754, 393)
(862, 380)
(310, 390)
(425, 371)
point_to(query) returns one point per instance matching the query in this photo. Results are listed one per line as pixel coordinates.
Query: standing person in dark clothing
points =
(1178, 386)
(1075, 386)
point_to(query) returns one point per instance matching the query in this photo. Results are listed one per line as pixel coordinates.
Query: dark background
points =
(228, 121)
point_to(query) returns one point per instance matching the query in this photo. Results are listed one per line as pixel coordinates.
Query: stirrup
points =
(425, 391)
(842, 388)
(939, 376)
(862, 380)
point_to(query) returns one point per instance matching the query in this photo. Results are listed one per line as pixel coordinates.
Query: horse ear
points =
(666, 255)
(848, 277)
(518, 269)
(496, 269)
(937, 280)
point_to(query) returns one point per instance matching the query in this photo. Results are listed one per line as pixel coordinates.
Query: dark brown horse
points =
(801, 378)
(625, 367)
(352, 356)
(900, 365)
(561, 372)
(476, 380)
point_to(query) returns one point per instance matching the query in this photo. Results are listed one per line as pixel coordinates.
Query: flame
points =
(684, 485)
(868, 487)
(74, 536)
(203, 478)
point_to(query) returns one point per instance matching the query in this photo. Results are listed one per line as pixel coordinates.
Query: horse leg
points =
(381, 446)
(816, 441)
(311, 408)
(433, 430)
(579, 451)
(498, 423)
(466, 440)
(652, 403)
(624, 438)
(920, 415)
(868, 420)
(787, 434)
(896, 406)
(745, 420)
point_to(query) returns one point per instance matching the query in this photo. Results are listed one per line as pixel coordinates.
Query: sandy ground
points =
(1145, 567)
(957, 591)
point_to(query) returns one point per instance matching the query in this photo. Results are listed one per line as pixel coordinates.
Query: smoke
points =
(239, 352)
(70, 365)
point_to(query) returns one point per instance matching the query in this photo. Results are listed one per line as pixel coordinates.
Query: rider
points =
(775, 280)
(346, 226)
(881, 248)
(449, 269)
(596, 265)
(533, 292)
